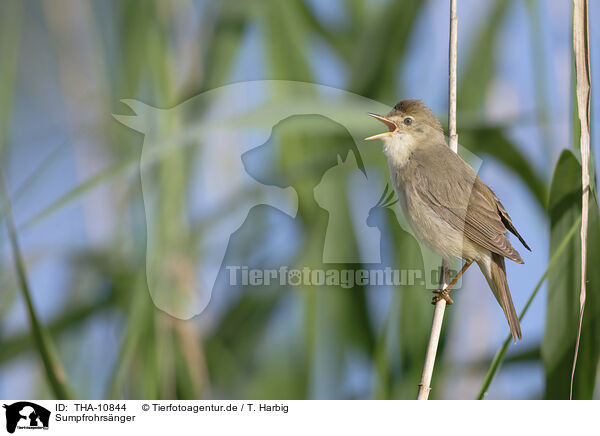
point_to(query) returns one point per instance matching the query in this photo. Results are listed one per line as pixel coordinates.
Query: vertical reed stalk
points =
(440, 306)
(581, 51)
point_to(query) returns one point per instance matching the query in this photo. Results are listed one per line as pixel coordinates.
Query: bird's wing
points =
(464, 203)
(507, 221)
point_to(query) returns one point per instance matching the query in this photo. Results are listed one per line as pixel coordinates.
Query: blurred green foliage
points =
(564, 284)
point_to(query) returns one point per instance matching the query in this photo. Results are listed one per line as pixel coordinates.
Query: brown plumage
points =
(448, 206)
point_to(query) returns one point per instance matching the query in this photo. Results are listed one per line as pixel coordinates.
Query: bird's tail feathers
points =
(495, 273)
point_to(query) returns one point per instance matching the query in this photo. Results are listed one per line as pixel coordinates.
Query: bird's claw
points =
(442, 295)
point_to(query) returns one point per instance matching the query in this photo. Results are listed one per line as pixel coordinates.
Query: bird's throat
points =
(398, 148)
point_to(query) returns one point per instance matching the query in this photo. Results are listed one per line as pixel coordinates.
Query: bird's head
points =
(409, 122)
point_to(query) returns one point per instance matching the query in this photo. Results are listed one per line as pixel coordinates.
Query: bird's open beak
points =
(390, 125)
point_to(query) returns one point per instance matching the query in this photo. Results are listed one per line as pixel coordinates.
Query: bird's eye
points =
(408, 121)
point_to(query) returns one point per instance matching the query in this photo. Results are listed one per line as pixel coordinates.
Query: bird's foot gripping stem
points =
(442, 295)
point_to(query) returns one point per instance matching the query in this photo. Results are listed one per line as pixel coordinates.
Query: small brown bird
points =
(448, 206)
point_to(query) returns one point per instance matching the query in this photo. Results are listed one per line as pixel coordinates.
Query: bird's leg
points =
(443, 293)
(458, 275)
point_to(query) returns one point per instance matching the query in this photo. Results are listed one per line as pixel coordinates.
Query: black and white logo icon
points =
(26, 415)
